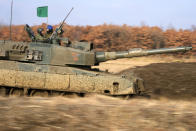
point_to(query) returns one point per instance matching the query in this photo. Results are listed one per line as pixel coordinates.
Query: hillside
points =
(114, 37)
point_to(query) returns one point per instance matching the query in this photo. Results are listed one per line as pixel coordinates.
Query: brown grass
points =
(96, 113)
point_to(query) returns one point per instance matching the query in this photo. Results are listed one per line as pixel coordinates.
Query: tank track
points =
(14, 91)
(23, 92)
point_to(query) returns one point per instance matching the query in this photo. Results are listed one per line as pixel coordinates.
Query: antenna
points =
(11, 21)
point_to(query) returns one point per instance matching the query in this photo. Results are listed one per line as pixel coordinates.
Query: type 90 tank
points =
(50, 68)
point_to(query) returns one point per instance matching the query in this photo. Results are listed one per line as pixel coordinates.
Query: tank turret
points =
(74, 54)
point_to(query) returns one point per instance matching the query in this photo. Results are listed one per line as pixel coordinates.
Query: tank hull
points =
(28, 77)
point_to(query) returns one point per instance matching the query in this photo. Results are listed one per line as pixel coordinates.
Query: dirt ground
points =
(169, 77)
(171, 82)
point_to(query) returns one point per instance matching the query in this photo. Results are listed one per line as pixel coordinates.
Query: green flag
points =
(42, 11)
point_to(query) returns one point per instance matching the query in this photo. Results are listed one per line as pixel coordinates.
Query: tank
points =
(60, 67)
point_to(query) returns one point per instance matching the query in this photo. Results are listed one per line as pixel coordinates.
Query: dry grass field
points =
(170, 81)
(99, 113)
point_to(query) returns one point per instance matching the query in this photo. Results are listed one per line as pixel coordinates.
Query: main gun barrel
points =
(104, 56)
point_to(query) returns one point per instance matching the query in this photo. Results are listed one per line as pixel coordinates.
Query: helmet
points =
(59, 31)
(39, 30)
(49, 29)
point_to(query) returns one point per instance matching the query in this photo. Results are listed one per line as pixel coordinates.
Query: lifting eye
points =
(123, 76)
(116, 84)
(106, 91)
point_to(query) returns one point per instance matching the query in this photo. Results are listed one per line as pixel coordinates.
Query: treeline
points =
(114, 37)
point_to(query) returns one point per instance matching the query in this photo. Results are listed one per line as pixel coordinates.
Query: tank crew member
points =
(59, 32)
(63, 41)
(49, 31)
(40, 36)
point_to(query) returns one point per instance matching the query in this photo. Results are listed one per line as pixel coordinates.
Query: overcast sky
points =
(164, 13)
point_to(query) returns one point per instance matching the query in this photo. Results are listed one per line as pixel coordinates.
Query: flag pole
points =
(11, 21)
(47, 16)
(47, 20)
